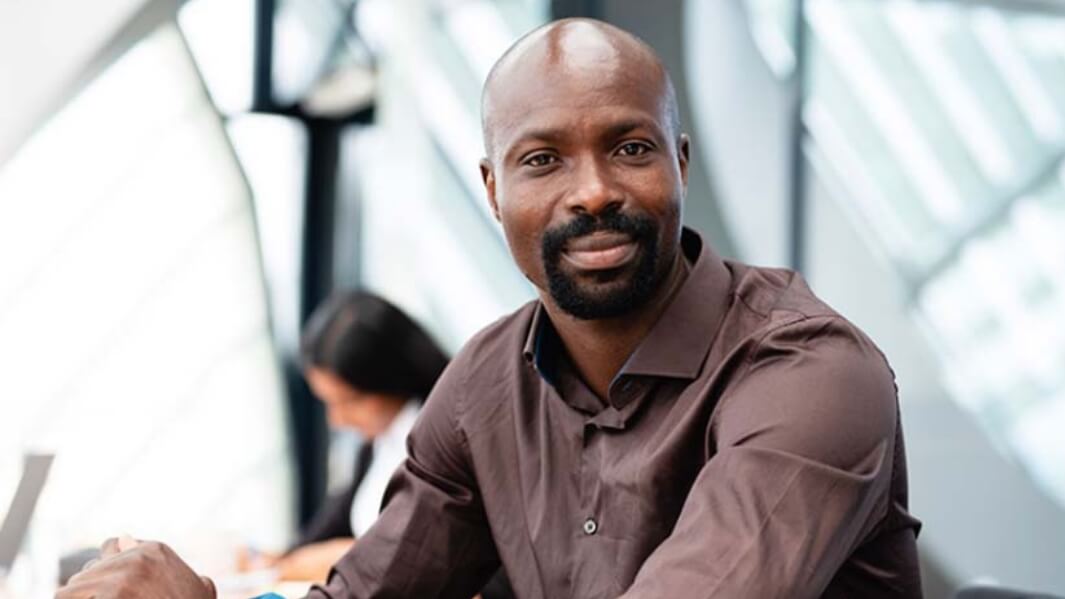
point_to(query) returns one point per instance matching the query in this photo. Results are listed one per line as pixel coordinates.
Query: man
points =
(661, 423)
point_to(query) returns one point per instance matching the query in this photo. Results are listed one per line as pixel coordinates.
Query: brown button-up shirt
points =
(749, 448)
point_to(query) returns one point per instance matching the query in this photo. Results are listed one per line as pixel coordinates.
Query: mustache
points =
(637, 227)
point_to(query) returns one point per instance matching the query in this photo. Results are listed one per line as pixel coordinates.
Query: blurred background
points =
(181, 182)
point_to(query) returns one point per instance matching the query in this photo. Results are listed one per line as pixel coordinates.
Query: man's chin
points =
(605, 290)
(594, 301)
(594, 294)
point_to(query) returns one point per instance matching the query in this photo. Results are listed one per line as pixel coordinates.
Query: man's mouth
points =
(603, 250)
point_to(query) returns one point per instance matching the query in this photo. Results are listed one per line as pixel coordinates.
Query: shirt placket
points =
(586, 523)
(598, 562)
(584, 518)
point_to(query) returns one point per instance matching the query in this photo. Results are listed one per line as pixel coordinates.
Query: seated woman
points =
(372, 367)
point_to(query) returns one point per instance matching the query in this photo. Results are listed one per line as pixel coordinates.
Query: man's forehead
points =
(577, 66)
(571, 110)
(569, 122)
(576, 46)
(562, 89)
(574, 52)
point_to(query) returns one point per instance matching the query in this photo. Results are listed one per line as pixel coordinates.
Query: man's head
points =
(586, 167)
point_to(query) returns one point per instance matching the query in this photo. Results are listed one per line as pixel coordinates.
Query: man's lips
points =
(600, 251)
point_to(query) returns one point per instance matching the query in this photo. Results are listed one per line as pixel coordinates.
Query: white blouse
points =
(389, 451)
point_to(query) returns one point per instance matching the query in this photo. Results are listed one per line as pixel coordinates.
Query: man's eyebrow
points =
(627, 126)
(554, 135)
(548, 135)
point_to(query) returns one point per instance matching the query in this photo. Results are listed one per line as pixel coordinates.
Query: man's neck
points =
(599, 348)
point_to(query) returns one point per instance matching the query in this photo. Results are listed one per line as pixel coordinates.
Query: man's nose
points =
(593, 191)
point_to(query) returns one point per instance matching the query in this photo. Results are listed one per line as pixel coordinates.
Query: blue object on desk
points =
(269, 596)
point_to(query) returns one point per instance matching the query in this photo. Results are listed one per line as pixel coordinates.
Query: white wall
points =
(742, 123)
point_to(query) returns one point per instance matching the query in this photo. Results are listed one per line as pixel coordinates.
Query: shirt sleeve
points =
(432, 538)
(804, 440)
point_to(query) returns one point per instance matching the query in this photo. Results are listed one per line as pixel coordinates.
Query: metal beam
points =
(311, 434)
(563, 9)
(262, 95)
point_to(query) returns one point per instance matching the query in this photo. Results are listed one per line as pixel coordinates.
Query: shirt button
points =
(590, 526)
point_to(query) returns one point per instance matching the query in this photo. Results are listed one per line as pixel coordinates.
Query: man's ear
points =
(683, 156)
(488, 176)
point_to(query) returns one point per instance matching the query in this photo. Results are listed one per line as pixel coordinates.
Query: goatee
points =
(623, 289)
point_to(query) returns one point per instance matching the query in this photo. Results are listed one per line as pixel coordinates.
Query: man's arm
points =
(804, 456)
(432, 539)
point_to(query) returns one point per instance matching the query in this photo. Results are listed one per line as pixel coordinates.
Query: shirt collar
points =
(533, 349)
(679, 342)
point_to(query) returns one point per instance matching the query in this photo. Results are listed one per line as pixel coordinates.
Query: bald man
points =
(659, 423)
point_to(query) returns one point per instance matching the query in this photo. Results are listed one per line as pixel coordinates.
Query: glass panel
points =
(311, 39)
(425, 235)
(950, 107)
(998, 314)
(524, 15)
(772, 25)
(133, 320)
(946, 124)
(272, 151)
(221, 37)
(429, 228)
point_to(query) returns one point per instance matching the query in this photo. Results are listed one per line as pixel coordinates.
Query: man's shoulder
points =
(776, 294)
(484, 370)
(496, 345)
(800, 361)
(778, 308)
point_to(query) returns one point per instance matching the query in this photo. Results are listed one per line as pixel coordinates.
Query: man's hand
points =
(129, 569)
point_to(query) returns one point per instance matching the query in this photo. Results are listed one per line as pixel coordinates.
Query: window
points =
(945, 122)
(134, 338)
(429, 241)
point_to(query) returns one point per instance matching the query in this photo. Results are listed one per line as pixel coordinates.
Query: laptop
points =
(35, 469)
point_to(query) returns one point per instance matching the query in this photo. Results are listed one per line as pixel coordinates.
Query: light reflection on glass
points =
(946, 124)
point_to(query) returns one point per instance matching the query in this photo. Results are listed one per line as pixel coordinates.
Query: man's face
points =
(587, 177)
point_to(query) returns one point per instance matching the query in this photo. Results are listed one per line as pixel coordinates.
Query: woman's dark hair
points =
(371, 345)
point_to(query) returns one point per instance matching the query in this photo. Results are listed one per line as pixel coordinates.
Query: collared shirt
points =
(389, 451)
(749, 448)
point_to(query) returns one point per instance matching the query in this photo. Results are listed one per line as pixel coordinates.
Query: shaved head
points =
(583, 50)
(586, 168)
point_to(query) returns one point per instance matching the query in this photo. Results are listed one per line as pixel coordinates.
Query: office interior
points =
(183, 181)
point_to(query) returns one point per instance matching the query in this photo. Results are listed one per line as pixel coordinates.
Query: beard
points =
(607, 293)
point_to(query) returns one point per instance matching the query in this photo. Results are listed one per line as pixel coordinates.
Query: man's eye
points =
(633, 148)
(537, 160)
